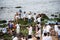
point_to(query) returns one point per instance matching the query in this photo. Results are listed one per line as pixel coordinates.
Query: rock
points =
(18, 7)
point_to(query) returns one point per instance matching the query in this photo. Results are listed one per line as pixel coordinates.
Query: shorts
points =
(58, 36)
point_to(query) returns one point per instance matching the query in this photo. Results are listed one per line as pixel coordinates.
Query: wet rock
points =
(18, 7)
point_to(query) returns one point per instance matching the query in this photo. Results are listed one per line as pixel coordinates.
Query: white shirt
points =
(46, 38)
(29, 16)
(30, 31)
(17, 28)
(39, 19)
(24, 15)
(38, 33)
(56, 28)
(48, 27)
(15, 38)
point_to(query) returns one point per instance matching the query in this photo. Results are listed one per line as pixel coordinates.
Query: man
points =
(29, 32)
(29, 18)
(46, 37)
(24, 15)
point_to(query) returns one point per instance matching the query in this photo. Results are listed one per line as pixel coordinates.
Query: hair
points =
(45, 34)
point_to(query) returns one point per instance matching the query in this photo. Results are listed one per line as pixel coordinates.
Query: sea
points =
(35, 6)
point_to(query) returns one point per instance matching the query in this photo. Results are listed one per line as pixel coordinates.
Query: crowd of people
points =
(44, 32)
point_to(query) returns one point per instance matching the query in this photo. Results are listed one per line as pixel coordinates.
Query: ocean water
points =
(39, 6)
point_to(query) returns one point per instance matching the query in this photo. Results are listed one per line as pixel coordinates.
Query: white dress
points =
(17, 28)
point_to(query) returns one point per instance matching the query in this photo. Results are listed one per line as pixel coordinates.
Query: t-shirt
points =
(15, 38)
(29, 16)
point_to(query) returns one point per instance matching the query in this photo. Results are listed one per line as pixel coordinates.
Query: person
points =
(4, 30)
(39, 19)
(29, 31)
(16, 17)
(58, 31)
(29, 18)
(20, 12)
(10, 25)
(24, 15)
(56, 27)
(44, 30)
(34, 16)
(48, 27)
(46, 37)
(38, 34)
(17, 28)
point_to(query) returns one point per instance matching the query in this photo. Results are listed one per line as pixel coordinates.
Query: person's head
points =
(34, 13)
(24, 12)
(45, 34)
(20, 11)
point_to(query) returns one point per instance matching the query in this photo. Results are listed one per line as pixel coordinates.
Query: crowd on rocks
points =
(44, 32)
